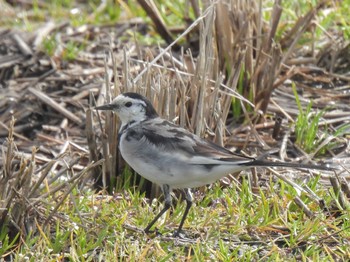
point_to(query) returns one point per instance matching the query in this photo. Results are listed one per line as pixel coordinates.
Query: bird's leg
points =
(189, 201)
(167, 204)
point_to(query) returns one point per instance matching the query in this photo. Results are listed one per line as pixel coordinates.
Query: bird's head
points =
(131, 107)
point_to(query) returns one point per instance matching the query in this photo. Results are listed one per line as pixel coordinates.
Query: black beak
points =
(105, 107)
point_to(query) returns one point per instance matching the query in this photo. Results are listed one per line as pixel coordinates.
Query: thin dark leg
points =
(167, 204)
(189, 201)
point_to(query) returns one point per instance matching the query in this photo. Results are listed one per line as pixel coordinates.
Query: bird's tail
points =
(266, 163)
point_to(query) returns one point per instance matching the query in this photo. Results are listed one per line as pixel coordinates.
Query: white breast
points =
(175, 170)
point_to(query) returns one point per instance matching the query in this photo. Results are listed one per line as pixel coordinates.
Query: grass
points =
(71, 51)
(230, 222)
(307, 126)
(235, 222)
(310, 136)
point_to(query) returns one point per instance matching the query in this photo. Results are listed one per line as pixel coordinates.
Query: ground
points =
(66, 194)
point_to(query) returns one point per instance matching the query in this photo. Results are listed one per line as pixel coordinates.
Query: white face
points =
(129, 109)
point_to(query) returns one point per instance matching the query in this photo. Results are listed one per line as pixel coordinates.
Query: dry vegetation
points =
(227, 77)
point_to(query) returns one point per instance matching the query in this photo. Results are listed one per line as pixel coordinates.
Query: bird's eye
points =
(128, 104)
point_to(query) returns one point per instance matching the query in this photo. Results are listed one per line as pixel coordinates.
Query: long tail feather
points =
(266, 163)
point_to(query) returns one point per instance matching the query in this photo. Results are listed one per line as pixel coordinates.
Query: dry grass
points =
(46, 161)
(25, 188)
(235, 60)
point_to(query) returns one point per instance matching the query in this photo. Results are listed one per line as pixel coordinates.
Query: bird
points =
(173, 157)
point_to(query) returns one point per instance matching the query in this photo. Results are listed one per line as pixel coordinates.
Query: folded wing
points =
(176, 140)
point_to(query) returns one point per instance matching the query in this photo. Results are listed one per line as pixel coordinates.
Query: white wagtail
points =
(171, 156)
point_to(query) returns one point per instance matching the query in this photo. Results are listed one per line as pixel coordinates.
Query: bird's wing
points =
(177, 140)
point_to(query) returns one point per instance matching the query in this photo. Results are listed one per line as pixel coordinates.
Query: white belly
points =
(161, 168)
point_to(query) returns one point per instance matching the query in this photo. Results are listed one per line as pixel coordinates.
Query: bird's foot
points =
(178, 234)
(152, 232)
